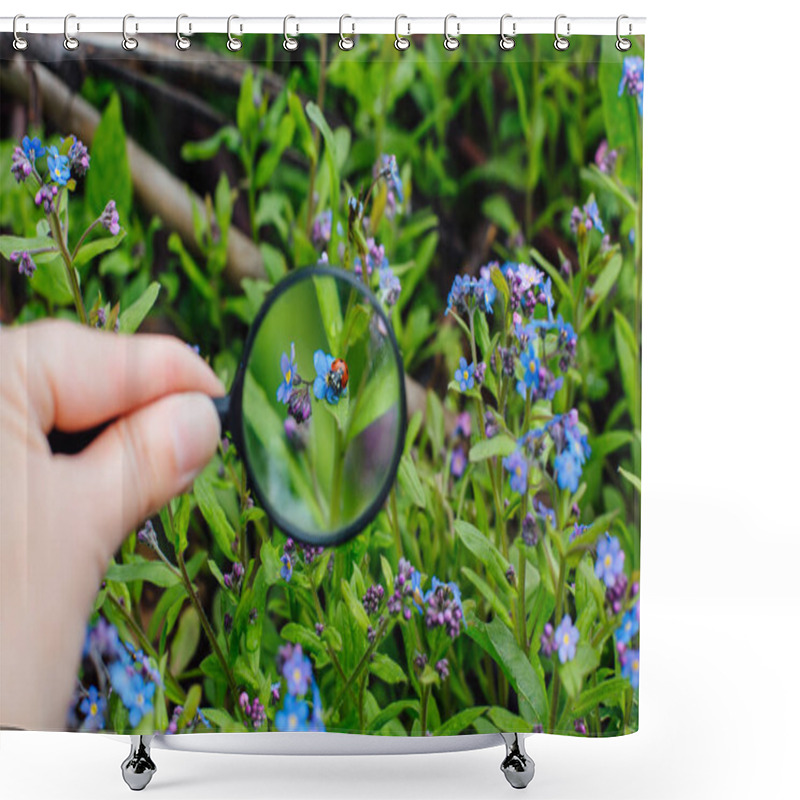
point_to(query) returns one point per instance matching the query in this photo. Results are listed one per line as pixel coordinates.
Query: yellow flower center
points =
(58, 172)
(297, 675)
(288, 376)
(636, 665)
(519, 472)
(566, 638)
(607, 561)
(466, 375)
(139, 699)
(92, 709)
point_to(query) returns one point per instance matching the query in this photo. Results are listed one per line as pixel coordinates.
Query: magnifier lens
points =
(322, 406)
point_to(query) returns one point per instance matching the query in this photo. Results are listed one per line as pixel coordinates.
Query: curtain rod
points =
(349, 25)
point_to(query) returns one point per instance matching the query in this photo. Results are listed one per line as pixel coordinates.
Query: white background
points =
(719, 682)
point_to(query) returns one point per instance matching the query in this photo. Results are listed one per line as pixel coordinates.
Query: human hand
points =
(63, 517)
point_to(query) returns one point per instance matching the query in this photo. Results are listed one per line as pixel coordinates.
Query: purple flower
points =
(293, 716)
(517, 466)
(632, 80)
(458, 462)
(420, 661)
(630, 667)
(490, 425)
(78, 158)
(443, 601)
(297, 671)
(300, 404)
(610, 560)
(93, 706)
(548, 640)
(593, 214)
(605, 159)
(46, 198)
(511, 574)
(463, 425)
(443, 668)
(288, 376)
(372, 599)
(580, 726)
(321, 230)
(530, 530)
(147, 535)
(109, 219)
(295, 433)
(465, 375)
(20, 165)
(287, 567)
(327, 384)
(615, 595)
(319, 628)
(26, 264)
(58, 166)
(566, 639)
(480, 373)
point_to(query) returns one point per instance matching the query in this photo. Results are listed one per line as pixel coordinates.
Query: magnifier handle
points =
(69, 444)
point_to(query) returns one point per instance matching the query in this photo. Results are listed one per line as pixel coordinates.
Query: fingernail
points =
(195, 434)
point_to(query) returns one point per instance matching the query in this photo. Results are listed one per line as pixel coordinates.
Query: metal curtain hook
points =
(234, 44)
(289, 43)
(450, 42)
(623, 44)
(70, 42)
(560, 43)
(181, 42)
(400, 42)
(128, 42)
(345, 42)
(507, 42)
(20, 44)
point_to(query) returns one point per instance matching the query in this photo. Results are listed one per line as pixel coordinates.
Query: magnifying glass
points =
(317, 409)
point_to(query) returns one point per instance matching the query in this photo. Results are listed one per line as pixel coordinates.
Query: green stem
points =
(359, 667)
(144, 643)
(58, 235)
(423, 711)
(206, 625)
(83, 236)
(336, 485)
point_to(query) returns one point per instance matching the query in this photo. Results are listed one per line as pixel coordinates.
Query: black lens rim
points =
(236, 423)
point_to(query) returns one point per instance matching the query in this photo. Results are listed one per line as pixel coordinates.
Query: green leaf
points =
(268, 163)
(110, 175)
(298, 634)
(410, 482)
(214, 515)
(608, 442)
(498, 641)
(246, 119)
(140, 569)
(497, 208)
(8, 244)
(460, 722)
(355, 606)
(181, 519)
(507, 722)
(483, 550)
(211, 667)
(193, 697)
(339, 411)
(500, 445)
(387, 669)
(133, 316)
(302, 127)
(331, 158)
(434, 417)
(496, 604)
(602, 286)
(633, 479)
(204, 149)
(223, 720)
(389, 713)
(573, 672)
(628, 354)
(92, 249)
(605, 692)
(184, 643)
(199, 281)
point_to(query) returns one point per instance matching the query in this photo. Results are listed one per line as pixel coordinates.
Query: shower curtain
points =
(492, 201)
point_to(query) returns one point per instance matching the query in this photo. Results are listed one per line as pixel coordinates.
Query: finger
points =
(141, 461)
(78, 377)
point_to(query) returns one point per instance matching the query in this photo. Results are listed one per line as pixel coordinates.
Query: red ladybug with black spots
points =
(338, 376)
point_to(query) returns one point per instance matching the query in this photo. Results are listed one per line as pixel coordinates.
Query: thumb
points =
(141, 461)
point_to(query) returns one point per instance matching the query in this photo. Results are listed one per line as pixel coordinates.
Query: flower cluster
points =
(443, 607)
(322, 229)
(295, 714)
(582, 220)
(610, 560)
(120, 670)
(468, 294)
(605, 158)
(632, 80)
(528, 288)
(254, 711)
(460, 437)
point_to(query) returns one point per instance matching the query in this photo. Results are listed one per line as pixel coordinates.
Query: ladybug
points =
(338, 376)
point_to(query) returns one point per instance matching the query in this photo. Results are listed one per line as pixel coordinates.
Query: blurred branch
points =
(156, 188)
